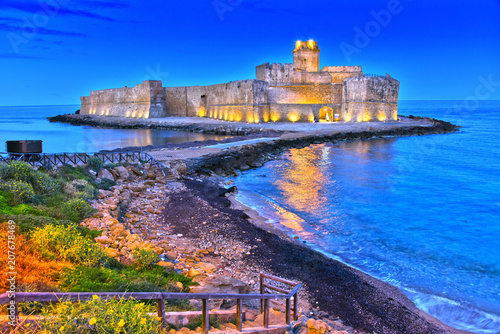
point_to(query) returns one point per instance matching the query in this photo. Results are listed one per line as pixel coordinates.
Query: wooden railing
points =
(160, 297)
(42, 159)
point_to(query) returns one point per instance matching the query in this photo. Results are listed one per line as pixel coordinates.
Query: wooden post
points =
(161, 312)
(296, 306)
(205, 326)
(239, 318)
(287, 312)
(266, 313)
(261, 292)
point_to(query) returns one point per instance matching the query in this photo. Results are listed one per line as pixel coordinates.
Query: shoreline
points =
(359, 300)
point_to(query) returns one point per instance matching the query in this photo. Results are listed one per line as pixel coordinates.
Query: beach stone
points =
(207, 267)
(166, 265)
(105, 174)
(136, 171)
(223, 284)
(102, 240)
(317, 326)
(112, 252)
(122, 172)
(193, 272)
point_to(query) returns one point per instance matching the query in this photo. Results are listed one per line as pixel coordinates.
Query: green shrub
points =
(4, 206)
(106, 184)
(56, 201)
(100, 316)
(77, 209)
(28, 223)
(17, 170)
(65, 242)
(85, 279)
(95, 163)
(21, 190)
(145, 258)
(87, 193)
(44, 184)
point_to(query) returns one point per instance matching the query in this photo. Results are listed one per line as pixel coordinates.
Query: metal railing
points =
(162, 296)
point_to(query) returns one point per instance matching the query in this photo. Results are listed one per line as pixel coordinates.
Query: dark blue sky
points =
(54, 51)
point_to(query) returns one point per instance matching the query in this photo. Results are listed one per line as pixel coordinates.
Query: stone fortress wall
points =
(296, 92)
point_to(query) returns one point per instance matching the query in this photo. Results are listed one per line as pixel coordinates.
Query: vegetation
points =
(55, 253)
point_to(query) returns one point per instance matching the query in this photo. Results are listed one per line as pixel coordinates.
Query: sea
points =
(30, 123)
(421, 213)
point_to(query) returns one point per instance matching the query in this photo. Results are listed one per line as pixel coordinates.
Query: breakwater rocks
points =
(130, 123)
(242, 158)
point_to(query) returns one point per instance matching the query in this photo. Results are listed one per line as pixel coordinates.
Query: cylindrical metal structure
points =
(24, 146)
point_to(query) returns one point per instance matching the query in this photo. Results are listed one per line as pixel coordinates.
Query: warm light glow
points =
(381, 116)
(202, 112)
(128, 113)
(293, 116)
(250, 117)
(395, 115)
(146, 114)
(134, 113)
(226, 113)
(347, 117)
(265, 117)
(298, 44)
(366, 117)
(311, 44)
(275, 116)
(140, 114)
(326, 114)
(311, 118)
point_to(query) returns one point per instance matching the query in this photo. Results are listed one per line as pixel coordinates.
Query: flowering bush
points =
(95, 163)
(17, 170)
(145, 258)
(77, 209)
(64, 242)
(21, 190)
(44, 184)
(100, 316)
(87, 193)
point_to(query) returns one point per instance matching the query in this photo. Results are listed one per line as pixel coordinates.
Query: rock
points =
(105, 174)
(135, 171)
(223, 284)
(206, 267)
(122, 172)
(150, 183)
(112, 252)
(166, 265)
(102, 240)
(193, 272)
(317, 326)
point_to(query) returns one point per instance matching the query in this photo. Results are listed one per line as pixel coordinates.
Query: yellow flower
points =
(92, 321)
(61, 328)
(142, 321)
(95, 297)
(121, 323)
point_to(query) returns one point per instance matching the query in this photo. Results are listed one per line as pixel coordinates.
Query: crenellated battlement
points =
(342, 69)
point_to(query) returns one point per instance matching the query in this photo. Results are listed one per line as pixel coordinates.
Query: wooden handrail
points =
(162, 296)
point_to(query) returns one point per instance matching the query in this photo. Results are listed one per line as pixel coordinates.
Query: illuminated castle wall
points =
(296, 92)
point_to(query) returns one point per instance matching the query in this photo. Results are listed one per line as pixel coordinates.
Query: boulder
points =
(105, 174)
(223, 284)
(122, 172)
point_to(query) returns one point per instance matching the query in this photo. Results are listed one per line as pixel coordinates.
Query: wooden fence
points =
(160, 297)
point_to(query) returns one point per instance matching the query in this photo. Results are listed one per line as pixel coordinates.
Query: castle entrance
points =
(326, 114)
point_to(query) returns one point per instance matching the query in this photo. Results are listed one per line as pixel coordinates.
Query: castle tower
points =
(306, 56)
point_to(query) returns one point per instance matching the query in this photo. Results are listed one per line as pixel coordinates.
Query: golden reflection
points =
(302, 181)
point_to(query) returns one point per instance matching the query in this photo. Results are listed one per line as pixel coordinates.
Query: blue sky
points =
(54, 51)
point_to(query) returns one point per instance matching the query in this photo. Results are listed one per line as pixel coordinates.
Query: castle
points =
(296, 92)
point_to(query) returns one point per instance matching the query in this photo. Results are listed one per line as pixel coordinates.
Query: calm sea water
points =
(422, 213)
(20, 123)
